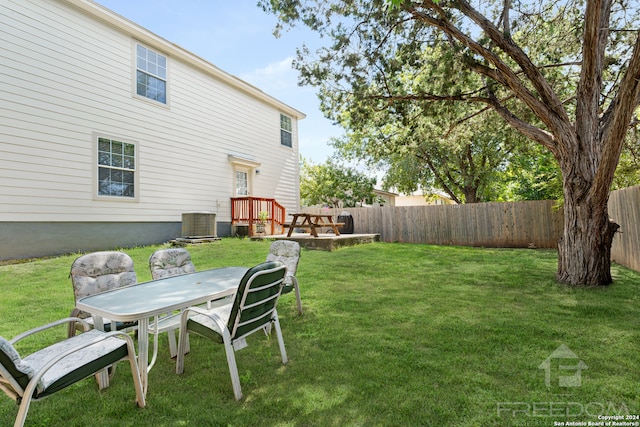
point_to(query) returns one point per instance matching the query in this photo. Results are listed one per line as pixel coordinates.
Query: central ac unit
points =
(199, 224)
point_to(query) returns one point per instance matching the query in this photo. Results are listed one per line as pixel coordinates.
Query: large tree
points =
(465, 162)
(334, 185)
(585, 133)
(451, 146)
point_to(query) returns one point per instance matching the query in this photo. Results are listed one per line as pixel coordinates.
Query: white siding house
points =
(109, 133)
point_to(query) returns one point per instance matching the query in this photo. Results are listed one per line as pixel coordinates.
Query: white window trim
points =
(243, 164)
(247, 171)
(134, 76)
(95, 166)
(282, 129)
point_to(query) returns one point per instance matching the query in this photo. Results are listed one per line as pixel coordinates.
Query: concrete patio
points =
(325, 241)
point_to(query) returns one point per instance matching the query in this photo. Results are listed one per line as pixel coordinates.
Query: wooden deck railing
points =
(246, 211)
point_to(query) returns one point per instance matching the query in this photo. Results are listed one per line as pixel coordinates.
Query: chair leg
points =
(22, 412)
(182, 337)
(297, 291)
(283, 351)
(233, 367)
(71, 329)
(135, 373)
(173, 345)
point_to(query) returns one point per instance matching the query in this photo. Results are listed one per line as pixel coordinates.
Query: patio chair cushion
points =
(170, 262)
(101, 271)
(20, 369)
(79, 364)
(205, 326)
(288, 253)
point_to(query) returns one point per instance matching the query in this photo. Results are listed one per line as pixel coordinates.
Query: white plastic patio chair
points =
(59, 365)
(253, 309)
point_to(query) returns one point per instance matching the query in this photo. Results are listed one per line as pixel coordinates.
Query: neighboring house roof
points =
(385, 193)
(174, 50)
(418, 198)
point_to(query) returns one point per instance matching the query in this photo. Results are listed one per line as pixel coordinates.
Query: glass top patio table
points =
(142, 301)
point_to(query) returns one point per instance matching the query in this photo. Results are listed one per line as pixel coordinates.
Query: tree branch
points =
(545, 90)
(555, 119)
(535, 133)
(590, 83)
(616, 122)
(439, 179)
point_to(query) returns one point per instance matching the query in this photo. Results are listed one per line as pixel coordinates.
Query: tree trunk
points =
(470, 194)
(584, 251)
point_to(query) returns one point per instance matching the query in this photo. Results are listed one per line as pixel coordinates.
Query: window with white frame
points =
(242, 183)
(286, 131)
(151, 74)
(116, 168)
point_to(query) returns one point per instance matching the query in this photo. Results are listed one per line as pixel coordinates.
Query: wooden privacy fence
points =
(624, 209)
(506, 225)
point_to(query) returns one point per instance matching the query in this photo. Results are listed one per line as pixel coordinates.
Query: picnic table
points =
(312, 222)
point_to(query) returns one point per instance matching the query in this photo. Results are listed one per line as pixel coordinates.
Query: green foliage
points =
(392, 335)
(628, 171)
(532, 174)
(410, 82)
(331, 184)
(467, 162)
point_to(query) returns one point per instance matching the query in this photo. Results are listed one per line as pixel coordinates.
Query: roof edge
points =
(140, 33)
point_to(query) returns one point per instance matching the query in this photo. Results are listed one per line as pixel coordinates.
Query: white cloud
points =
(274, 78)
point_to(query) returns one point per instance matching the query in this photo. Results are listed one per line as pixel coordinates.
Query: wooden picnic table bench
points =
(311, 222)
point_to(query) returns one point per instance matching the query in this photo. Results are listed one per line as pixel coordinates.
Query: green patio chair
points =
(59, 365)
(253, 309)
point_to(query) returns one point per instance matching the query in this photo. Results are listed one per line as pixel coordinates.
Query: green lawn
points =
(392, 335)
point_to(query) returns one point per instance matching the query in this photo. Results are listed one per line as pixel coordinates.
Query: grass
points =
(392, 335)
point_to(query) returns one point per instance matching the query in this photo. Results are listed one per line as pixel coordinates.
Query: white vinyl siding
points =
(67, 76)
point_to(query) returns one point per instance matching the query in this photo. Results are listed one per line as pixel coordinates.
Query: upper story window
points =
(151, 74)
(116, 168)
(285, 131)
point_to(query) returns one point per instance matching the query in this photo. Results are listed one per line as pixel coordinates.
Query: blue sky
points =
(237, 36)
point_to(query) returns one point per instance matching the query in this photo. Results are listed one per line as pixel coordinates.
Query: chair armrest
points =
(49, 326)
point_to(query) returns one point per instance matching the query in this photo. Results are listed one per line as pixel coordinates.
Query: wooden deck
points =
(325, 241)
